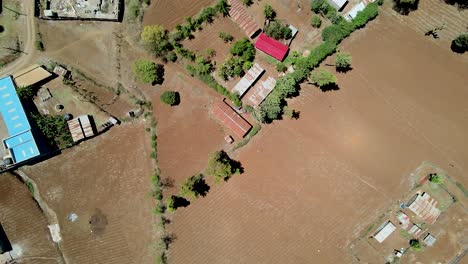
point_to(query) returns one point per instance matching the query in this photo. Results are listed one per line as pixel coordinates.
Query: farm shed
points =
(424, 207)
(271, 47)
(384, 231)
(248, 80)
(262, 91)
(338, 4)
(354, 11)
(429, 240)
(231, 119)
(238, 13)
(30, 76)
(80, 128)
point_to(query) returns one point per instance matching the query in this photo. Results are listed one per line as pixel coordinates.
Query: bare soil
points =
(312, 185)
(105, 181)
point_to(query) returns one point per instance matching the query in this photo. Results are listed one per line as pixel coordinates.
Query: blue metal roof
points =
(20, 139)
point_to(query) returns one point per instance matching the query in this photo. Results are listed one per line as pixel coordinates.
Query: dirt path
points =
(29, 37)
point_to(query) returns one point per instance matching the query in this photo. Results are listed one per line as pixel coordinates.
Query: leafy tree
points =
(322, 77)
(25, 92)
(170, 98)
(194, 187)
(281, 67)
(223, 7)
(317, 6)
(39, 45)
(315, 21)
(171, 56)
(435, 178)
(148, 71)
(277, 31)
(243, 48)
(226, 37)
(210, 52)
(54, 128)
(155, 38)
(416, 245)
(343, 61)
(286, 85)
(269, 12)
(247, 2)
(404, 7)
(460, 43)
(222, 167)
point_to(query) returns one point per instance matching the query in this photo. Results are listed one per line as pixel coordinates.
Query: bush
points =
(39, 45)
(315, 21)
(226, 37)
(277, 31)
(322, 77)
(343, 61)
(171, 56)
(148, 72)
(194, 187)
(25, 92)
(460, 43)
(247, 2)
(370, 12)
(243, 48)
(281, 67)
(269, 12)
(404, 7)
(317, 6)
(170, 98)
(435, 178)
(222, 167)
(155, 38)
(416, 245)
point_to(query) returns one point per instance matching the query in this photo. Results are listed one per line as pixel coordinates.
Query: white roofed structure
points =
(338, 4)
(248, 80)
(384, 231)
(354, 11)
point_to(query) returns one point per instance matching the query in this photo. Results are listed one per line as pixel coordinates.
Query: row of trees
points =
(277, 30)
(241, 60)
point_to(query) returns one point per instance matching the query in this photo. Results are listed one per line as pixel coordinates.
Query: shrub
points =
(416, 245)
(226, 37)
(322, 77)
(370, 12)
(194, 187)
(277, 31)
(317, 6)
(148, 72)
(343, 61)
(269, 12)
(170, 98)
(210, 52)
(25, 92)
(39, 45)
(171, 56)
(247, 2)
(404, 7)
(223, 7)
(249, 108)
(435, 178)
(315, 21)
(460, 43)
(243, 48)
(222, 167)
(155, 38)
(281, 67)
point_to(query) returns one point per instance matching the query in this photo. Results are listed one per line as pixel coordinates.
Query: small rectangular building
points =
(31, 75)
(81, 128)
(262, 90)
(248, 80)
(384, 231)
(429, 240)
(271, 47)
(231, 119)
(238, 13)
(338, 4)
(354, 11)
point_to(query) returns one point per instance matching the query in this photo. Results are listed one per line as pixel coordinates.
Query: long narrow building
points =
(240, 16)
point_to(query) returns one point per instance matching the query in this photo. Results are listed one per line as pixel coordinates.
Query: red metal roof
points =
(231, 119)
(271, 47)
(238, 13)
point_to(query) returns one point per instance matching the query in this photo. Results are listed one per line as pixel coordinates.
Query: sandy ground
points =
(25, 224)
(104, 180)
(311, 185)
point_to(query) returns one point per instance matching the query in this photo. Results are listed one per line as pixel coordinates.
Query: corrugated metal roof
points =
(238, 13)
(271, 47)
(248, 80)
(384, 232)
(262, 90)
(354, 11)
(80, 128)
(231, 119)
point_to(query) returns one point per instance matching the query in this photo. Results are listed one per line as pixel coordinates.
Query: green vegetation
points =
(210, 52)
(281, 67)
(170, 98)
(30, 186)
(278, 31)
(404, 7)
(226, 37)
(462, 188)
(155, 39)
(244, 49)
(322, 7)
(343, 61)
(54, 128)
(460, 43)
(247, 2)
(405, 234)
(243, 54)
(322, 78)
(148, 71)
(380, 2)
(250, 135)
(39, 45)
(435, 178)
(223, 7)
(222, 167)
(25, 92)
(194, 187)
(269, 12)
(416, 245)
(315, 21)
(174, 202)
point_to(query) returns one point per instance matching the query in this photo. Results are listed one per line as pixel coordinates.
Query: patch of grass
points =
(369, 229)
(405, 234)
(462, 188)
(30, 186)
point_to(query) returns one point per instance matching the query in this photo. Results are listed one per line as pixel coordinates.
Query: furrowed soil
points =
(105, 181)
(24, 223)
(312, 185)
(169, 13)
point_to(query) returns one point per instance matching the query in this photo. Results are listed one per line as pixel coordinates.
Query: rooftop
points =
(31, 75)
(271, 47)
(231, 119)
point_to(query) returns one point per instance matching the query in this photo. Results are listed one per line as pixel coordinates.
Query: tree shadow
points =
(344, 69)
(167, 240)
(404, 8)
(330, 87)
(456, 49)
(177, 99)
(160, 73)
(167, 182)
(180, 202)
(295, 114)
(461, 4)
(201, 187)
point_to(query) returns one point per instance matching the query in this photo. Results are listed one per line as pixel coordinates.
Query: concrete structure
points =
(81, 128)
(231, 119)
(338, 4)
(262, 90)
(271, 47)
(240, 16)
(385, 230)
(61, 71)
(19, 143)
(248, 80)
(84, 9)
(424, 207)
(31, 75)
(429, 240)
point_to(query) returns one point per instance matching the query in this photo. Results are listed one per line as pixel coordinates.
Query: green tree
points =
(416, 245)
(281, 67)
(460, 43)
(322, 78)
(194, 187)
(155, 39)
(317, 5)
(25, 92)
(435, 178)
(343, 61)
(243, 48)
(315, 21)
(223, 7)
(269, 12)
(247, 2)
(404, 7)
(226, 37)
(39, 45)
(222, 167)
(277, 31)
(148, 72)
(286, 85)
(170, 98)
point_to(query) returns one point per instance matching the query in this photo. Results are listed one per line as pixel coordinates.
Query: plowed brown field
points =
(313, 184)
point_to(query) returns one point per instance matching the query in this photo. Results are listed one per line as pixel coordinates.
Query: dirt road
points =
(28, 41)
